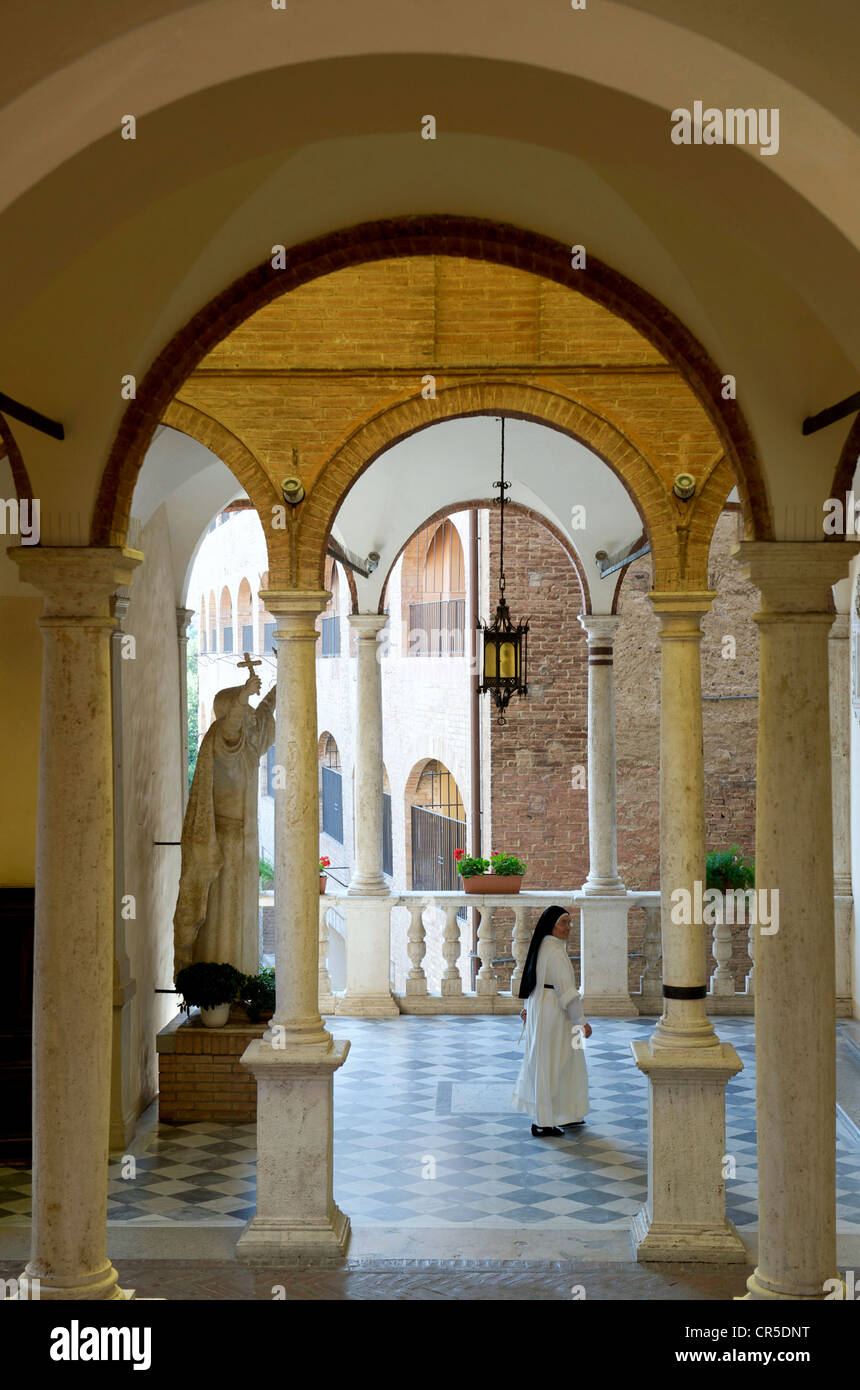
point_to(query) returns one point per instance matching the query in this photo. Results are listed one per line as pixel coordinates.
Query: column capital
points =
(183, 618)
(295, 611)
(600, 627)
(680, 612)
(76, 581)
(367, 625)
(795, 576)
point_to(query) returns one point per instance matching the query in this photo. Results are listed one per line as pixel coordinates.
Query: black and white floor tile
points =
(424, 1138)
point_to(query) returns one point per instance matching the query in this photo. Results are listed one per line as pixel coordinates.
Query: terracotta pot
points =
(323, 882)
(492, 883)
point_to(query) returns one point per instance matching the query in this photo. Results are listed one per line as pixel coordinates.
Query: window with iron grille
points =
(268, 637)
(228, 639)
(437, 628)
(331, 791)
(247, 637)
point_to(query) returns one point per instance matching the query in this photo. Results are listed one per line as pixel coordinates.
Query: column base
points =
(102, 1288)
(604, 888)
(368, 888)
(276, 1241)
(716, 1243)
(354, 1005)
(684, 1217)
(760, 1289)
(297, 1220)
(681, 1037)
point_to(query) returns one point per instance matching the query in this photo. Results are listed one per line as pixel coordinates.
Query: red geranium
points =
(324, 862)
(458, 853)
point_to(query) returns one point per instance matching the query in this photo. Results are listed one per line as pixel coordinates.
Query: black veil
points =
(545, 924)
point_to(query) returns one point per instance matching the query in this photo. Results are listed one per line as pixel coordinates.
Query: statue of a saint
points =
(217, 911)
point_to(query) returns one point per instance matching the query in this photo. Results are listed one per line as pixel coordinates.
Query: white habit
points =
(552, 1086)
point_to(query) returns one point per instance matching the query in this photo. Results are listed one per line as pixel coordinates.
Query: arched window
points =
(331, 789)
(437, 624)
(226, 621)
(436, 822)
(201, 625)
(245, 618)
(213, 628)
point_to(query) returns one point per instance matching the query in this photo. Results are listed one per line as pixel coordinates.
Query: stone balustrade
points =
(600, 929)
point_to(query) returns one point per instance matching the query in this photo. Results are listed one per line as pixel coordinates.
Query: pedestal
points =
(603, 943)
(298, 1221)
(684, 1217)
(368, 955)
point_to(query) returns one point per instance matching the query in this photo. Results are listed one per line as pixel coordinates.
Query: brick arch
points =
(512, 398)
(484, 502)
(435, 235)
(242, 463)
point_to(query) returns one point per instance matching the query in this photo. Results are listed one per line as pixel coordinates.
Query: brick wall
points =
(202, 1079)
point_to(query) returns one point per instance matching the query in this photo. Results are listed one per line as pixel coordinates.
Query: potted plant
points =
(505, 872)
(258, 994)
(726, 869)
(325, 863)
(212, 986)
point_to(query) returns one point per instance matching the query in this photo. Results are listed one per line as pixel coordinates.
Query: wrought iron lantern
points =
(504, 666)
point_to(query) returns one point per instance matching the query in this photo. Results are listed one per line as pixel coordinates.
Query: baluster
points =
(326, 994)
(722, 981)
(487, 981)
(751, 953)
(519, 948)
(416, 980)
(451, 982)
(651, 979)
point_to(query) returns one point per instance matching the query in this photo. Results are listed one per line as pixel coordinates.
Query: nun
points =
(552, 1086)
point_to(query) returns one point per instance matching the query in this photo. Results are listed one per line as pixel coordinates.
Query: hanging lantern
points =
(505, 643)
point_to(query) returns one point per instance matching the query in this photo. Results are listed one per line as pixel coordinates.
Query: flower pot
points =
(215, 1017)
(323, 882)
(492, 883)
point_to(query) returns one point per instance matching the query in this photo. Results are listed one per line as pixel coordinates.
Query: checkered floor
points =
(424, 1138)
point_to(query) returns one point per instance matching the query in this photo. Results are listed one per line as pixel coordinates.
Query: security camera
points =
(293, 491)
(684, 486)
(371, 562)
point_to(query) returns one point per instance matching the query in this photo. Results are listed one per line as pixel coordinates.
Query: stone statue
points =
(217, 910)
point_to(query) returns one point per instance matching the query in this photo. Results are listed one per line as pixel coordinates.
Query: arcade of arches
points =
(372, 361)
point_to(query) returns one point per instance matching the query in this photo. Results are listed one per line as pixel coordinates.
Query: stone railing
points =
(602, 930)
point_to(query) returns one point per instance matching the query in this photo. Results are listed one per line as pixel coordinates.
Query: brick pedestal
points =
(199, 1075)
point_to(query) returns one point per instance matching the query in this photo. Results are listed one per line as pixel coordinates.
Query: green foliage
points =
(506, 865)
(727, 868)
(267, 872)
(258, 993)
(193, 702)
(468, 866)
(207, 984)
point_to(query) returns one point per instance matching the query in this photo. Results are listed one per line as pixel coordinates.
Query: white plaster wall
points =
(152, 790)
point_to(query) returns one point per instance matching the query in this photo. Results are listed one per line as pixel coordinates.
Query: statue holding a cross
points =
(217, 910)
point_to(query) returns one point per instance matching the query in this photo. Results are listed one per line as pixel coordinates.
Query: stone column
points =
(294, 1063)
(74, 945)
(603, 876)
(368, 934)
(122, 1112)
(368, 879)
(687, 1067)
(183, 618)
(840, 743)
(794, 986)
